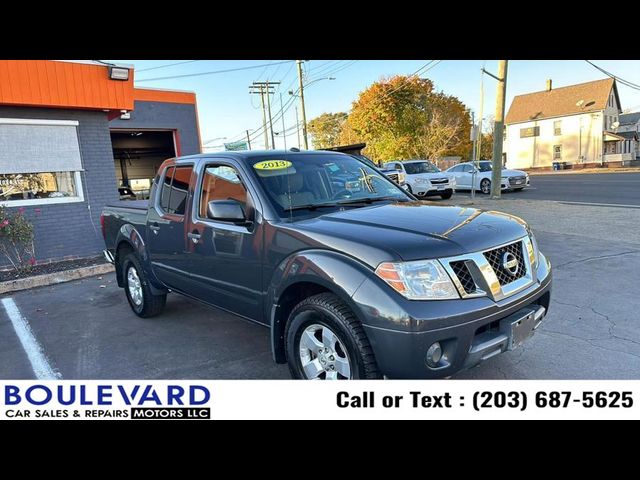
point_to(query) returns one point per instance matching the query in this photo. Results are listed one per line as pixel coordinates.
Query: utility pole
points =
(248, 140)
(257, 88)
(297, 127)
(302, 110)
(266, 88)
(284, 136)
(474, 135)
(501, 88)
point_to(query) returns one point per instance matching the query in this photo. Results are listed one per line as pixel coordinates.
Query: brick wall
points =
(73, 229)
(174, 116)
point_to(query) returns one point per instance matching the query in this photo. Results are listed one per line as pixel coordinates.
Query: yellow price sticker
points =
(272, 165)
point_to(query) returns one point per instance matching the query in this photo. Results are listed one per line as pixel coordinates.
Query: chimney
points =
(549, 85)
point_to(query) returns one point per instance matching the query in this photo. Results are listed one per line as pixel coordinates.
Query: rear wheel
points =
(485, 186)
(325, 341)
(142, 301)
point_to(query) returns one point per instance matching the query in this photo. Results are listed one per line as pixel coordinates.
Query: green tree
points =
(404, 117)
(325, 129)
(486, 149)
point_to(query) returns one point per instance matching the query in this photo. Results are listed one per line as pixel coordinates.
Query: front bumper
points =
(469, 330)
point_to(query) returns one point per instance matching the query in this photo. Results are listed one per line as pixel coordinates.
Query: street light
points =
(301, 96)
(214, 139)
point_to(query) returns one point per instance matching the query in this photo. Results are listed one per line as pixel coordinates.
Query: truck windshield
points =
(420, 167)
(311, 181)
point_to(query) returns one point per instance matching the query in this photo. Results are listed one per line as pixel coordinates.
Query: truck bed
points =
(130, 204)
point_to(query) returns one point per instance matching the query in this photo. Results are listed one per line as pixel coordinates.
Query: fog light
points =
(434, 354)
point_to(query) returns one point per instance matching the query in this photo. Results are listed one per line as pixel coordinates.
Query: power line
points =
(166, 65)
(213, 72)
(615, 77)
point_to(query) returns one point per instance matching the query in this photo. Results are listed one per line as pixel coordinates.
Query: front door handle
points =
(154, 227)
(195, 237)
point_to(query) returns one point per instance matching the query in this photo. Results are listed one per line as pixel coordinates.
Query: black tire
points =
(485, 186)
(518, 189)
(151, 304)
(328, 310)
(446, 196)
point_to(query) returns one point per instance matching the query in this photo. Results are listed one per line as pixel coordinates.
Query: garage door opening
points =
(137, 155)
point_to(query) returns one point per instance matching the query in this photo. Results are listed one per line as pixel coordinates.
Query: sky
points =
(226, 109)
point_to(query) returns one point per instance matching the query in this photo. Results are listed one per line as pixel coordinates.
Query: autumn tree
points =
(325, 129)
(404, 117)
(486, 147)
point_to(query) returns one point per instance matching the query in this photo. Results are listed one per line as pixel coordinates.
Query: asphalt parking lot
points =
(87, 331)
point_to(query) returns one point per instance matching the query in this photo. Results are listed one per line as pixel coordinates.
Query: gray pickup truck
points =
(354, 277)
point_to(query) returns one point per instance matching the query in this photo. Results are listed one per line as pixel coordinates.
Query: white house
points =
(574, 124)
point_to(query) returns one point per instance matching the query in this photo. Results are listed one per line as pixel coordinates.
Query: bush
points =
(17, 239)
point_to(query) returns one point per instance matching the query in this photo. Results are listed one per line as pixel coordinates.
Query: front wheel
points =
(518, 189)
(485, 186)
(446, 196)
(142, 301)
(325, 341)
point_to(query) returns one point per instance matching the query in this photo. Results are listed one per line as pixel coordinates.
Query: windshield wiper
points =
(369, 200)
(311, 206)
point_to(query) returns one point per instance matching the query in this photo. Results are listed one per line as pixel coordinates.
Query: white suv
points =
(515, 180)
(425, 179)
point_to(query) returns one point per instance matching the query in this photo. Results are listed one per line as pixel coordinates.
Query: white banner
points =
(288, 399)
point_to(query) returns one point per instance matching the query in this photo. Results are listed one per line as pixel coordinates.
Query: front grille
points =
(439, 181)
(514, 180)
(495, 259)
(393, 177)
(463, 274)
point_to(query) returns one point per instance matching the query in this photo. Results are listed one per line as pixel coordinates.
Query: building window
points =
(557, 127)
(504, 134)
(529, 132)
(557, 152)
(40, 162)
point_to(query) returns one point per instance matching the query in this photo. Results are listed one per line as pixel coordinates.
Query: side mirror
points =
(226, 211)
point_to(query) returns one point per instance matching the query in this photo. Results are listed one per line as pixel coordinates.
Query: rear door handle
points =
(195, 237)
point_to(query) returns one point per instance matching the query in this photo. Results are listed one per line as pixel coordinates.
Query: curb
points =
(54, 278)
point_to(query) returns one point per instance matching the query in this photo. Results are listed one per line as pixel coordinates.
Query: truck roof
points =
(247, 155)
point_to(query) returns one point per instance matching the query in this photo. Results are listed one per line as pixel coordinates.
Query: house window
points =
(557, 152)
(529, 132)
(40, 162)
(557, 127)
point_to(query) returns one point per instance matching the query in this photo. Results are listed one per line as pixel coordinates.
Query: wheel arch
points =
(317, 272)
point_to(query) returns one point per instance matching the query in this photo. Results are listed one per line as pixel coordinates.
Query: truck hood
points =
(411, 231)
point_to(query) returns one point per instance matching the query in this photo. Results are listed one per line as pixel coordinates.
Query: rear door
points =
(166, 226)
(225, 258)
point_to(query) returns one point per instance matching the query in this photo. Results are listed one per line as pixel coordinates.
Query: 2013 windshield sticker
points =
(272, 165)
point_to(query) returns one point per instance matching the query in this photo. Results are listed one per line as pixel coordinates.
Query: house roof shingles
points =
(629, 118)
(559, 102)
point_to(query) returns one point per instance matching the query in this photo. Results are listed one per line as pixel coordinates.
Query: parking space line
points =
(619, 205)
(39, 363)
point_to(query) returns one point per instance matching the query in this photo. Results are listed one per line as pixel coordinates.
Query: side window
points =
(175, 188)
(179, 190)
(467, 168)
(165, 191)
(221, 182)
(457, 168)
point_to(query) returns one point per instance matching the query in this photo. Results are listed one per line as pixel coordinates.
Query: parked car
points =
(514, 180)
(352, 284)
(355, 150)
(424, 179)
(126, 193)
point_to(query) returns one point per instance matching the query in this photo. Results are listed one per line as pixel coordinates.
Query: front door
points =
(166, 227)
(463, 176)
(225, 258)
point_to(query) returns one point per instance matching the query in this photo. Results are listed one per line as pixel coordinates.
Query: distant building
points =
(630, 129)
(576, 125)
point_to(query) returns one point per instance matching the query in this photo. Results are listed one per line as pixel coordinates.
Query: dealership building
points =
(73, 135)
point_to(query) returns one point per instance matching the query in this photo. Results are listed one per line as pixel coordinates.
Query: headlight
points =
(422, 180)
(532, 249)
(419, 280)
